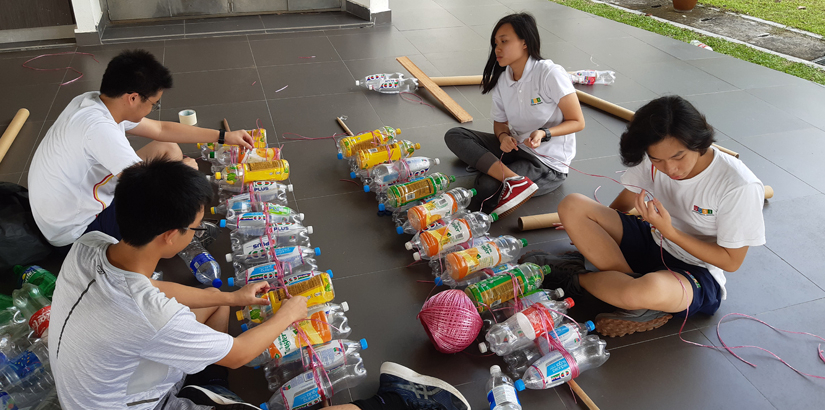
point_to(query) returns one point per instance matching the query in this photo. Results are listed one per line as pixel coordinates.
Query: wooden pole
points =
(582, 395)
(12, 130)
(226, 125)
(344, 126)
(459, 113)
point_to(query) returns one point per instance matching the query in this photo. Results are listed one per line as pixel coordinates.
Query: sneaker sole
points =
(199, 394)
(619, 328)
(521, 198)
(405, 373)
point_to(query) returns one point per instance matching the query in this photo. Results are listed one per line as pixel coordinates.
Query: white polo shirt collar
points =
(528, 68)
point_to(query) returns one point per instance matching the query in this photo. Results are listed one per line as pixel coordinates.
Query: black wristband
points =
(221, 136)
(546, 134)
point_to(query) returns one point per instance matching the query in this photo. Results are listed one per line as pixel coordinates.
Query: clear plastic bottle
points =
(309, 389)
(591, 77)
(254, 315)
(503, 249)
(241, 265)
(317, 289)
(51, 402)
(540, 295)
(292, 255)
(519, 331)
(570, 335)
(37, 276)
(35, 307)
(239, 174)
(202, 264)
(509, 308)
(439, 265)
(268, 272)
(10, 318)
(14, 340)
(331, 354)
(264, 191)
(28, 391)
(553, 369)
(499, 289)
(369, 158)
(379, 178)
(700, 44)
(276, 235)
(350, 145)
(236, 155)
(402, 194)
(388, 83)
(501, 391)
(432, 243)
(259, 210)
(18, 367)
(442, 206)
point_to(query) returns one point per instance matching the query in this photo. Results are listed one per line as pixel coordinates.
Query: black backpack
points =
(21, 242)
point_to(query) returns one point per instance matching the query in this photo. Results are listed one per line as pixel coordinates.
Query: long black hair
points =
(525, 27)
(669, 116)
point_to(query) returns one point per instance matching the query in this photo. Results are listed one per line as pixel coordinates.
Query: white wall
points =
(87, 14)
(375, 6)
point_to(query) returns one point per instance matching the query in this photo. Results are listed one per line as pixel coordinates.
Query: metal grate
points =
(820, 60)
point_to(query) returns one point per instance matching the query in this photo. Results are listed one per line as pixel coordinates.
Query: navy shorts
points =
(643, 255)
(106, 222)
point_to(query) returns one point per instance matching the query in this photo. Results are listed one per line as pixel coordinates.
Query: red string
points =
(418, 101)
(61, 68)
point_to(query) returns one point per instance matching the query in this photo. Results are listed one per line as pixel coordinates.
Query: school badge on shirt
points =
(702, 211)
(536, 101)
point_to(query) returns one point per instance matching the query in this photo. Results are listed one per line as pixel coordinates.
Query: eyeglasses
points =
(200, 230)
(155, 105)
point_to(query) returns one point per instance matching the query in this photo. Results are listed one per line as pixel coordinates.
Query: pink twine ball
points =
(450, 320)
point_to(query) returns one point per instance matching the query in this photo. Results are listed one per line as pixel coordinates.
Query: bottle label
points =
(502, 394)
(264, 186)
(30, 273)
(498, 289)
(402, 194)
(485, 256)
(269, 272)
(417, 166)
(553, 368)
(540, 318)
(301, 392)
(200, 259)
(442, 238)
(259, 313)
(317, 331)
(439, 208)
(39, 322)
(25, 363)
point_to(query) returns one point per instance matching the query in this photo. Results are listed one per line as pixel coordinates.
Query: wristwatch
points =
(221, 136)
(546, 134)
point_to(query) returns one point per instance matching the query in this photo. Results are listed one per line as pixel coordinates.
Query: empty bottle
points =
(503, 249)
(237, 155)
(388, 83)
(379, 178)
(35, 307)
(37, 276)
(432, 243)
(439, 265)
(553, 369)
(21, 365)
(331, 354)
(700, 44)
(11, 317)
(311, 388)
(501, 391)
(261, 213)
(28, 391)
(239, 174)
(202, 264)
(509, 308)
(243, 264)
(276, 235)
(292, 255)
(369, 158)
(51, 402)
(540, 295)
(499, 289)
(264, 191)
(317, 289)
(442, 206)
(521, 329)
(570, 336)
(402, 194)
(269, 272)
(590, 77)
(350, 145)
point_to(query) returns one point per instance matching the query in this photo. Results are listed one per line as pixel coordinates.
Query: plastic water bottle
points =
(369, 158)
(700, 44)
(500, 250)
(239, 174)
(37, 276)
(318, 328)
(591, 77)
(276, 235)
(388, 83)
(509, 308)
(10, 318)
(540, 295)
(28, 391)
(310, 389)
(202, 264)
(51, 402)
(401, 194)
(292, 255)
(499, 289)
(442, 206)
(35, 307)
(519, 331)
(380, 177)
(268, 272)
(243, 264)
(350, 145)
(264, 191)
(553, 369)
(237, 155)
(262, 212)
(20, 366)
(432, 243)
(501, 391)
(332, 354)
(570, 335)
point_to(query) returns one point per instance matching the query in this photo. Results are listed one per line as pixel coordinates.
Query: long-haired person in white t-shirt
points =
(700, 210)
(536, 114)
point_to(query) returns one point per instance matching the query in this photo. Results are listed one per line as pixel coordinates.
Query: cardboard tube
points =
(768, 192)
(344, 126)
(188, 117)
(457, 80)
(12, 130)
(225, 125)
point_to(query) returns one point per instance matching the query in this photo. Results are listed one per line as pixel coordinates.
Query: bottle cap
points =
(329, 272)
(229, 257)
(366, 188)
(317, 251)
(364, 344)
(519, 385)
(546, 269)
(239, 314)
(340, 155)
(570, 302)
(309, 229)
(399, 230)
(494, 216)
(408, 245)
(452, 178)
(263, 405)
(244, 327)
(398, 131)
(473, 192)
(417, 146)
(217, 175)
(289, 188)
(560, 292)
(212, 210)
(438, 281)
(590, 326)
(417, 256)
(482, 347)
(344, 307)
(523, 242)
(494, 368)
(222, 223)
(436, 161)
(352, 175)
(357, 83)
(212, 154)
(381, 207)
(217, 283)
(230, 281)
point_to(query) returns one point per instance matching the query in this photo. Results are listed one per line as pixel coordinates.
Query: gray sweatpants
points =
(481, 150)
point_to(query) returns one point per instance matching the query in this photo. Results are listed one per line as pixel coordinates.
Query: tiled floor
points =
(774, 121)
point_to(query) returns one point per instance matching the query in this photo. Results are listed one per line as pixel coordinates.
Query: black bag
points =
(21, 242)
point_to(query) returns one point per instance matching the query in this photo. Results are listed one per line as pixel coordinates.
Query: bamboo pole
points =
(12, 130)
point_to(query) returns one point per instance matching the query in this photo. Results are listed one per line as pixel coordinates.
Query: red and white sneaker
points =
(515, 192)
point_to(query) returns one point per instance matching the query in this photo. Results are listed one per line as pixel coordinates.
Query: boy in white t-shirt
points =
(75, 168)
(699, 211)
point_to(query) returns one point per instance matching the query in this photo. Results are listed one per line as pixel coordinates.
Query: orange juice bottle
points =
(349, 146)
(440, 207)
(239, 174)
(433, 242)
(503, 249)
(371, 157)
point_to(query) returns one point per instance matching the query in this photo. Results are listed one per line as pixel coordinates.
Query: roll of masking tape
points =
(188, 117)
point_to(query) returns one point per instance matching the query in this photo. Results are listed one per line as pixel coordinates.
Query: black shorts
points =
(644, 255)
(106, 222)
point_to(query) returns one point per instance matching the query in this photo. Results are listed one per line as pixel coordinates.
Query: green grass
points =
(739, 51)
(786, 12)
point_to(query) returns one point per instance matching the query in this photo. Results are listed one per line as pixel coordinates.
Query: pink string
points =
(61, 68)
(419, 100)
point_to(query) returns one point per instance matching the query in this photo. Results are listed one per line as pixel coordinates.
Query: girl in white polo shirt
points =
(536, 114)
